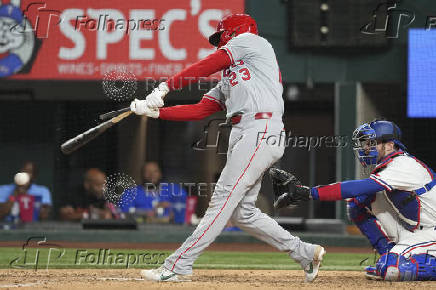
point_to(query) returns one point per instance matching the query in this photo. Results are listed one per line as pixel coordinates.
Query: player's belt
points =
(426, 187)
(261, 115)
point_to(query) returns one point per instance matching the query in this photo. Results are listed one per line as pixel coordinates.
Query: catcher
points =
(395, 208)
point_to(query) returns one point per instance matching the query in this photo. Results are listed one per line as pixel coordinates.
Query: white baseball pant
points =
(249, 156)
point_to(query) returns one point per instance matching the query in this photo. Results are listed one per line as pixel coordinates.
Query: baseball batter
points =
(395, 208)
(251, 92)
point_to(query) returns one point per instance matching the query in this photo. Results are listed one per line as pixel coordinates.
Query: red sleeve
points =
(327, 192)
(194, 112)
(216, 61)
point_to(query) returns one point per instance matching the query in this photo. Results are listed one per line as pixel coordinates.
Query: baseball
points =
(21, 178)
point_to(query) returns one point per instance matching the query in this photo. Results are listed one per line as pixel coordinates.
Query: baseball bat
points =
(110, 115)
(80, 140)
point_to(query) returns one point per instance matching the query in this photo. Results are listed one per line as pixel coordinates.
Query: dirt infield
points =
(203, 279)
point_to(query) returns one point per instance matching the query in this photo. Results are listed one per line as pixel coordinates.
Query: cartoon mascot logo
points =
(17, 46)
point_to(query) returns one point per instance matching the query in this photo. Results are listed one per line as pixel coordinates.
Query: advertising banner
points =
(83, 40)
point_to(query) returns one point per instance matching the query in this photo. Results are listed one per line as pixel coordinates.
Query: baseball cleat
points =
(161, 274)
(312, 269)
(371, 273)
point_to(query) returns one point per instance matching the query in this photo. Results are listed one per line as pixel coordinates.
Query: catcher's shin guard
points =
(368, 225)
(395, 267)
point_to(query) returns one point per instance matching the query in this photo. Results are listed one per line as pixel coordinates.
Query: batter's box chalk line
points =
(120, 279)
(20, 285)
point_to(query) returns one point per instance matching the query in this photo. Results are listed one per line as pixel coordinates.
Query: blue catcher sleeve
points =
(345, 189)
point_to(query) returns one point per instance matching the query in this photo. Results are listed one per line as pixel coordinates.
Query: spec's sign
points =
(82, 39)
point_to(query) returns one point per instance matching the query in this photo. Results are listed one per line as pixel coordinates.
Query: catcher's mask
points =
(367, 136)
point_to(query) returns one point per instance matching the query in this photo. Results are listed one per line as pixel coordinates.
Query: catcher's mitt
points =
(288, 189)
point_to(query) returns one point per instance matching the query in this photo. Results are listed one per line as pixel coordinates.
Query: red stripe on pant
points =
(228, 197)
(423, 246)
(381, 230)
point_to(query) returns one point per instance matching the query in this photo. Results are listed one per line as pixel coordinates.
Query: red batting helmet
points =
(231, 26)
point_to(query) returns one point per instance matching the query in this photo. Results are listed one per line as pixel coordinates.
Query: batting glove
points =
(139, 107)
(155, 98)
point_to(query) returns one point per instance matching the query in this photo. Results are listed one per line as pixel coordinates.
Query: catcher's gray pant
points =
(253, 147)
